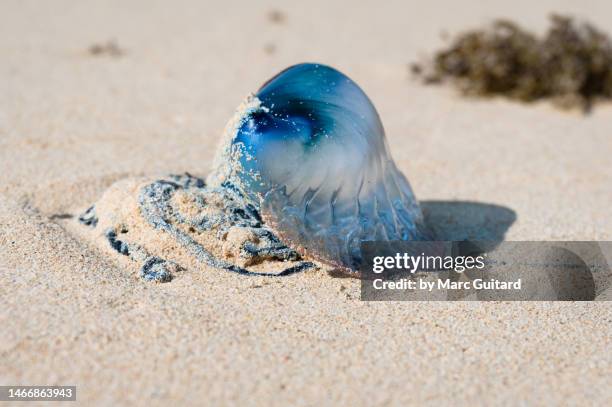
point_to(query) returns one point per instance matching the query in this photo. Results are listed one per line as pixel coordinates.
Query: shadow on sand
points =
(464, 220)
(550, 271)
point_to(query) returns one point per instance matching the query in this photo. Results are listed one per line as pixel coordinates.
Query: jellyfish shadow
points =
(550, 270)
(465, 220)
(462, 221)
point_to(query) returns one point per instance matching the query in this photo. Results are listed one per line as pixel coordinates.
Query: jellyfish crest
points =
(309, 149)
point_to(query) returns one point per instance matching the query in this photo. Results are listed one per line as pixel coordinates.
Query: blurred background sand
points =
(72, 122)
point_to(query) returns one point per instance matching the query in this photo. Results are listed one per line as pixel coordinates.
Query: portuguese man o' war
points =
(303, 173)
(309, 151)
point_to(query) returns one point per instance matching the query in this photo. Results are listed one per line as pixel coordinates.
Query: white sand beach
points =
(74, 120)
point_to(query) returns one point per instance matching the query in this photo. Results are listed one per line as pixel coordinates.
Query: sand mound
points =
(161, 226)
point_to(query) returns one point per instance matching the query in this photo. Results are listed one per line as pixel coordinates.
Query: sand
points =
(121, 224)
(72, 123)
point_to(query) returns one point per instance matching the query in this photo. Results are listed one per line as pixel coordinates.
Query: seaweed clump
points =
(571, 64)
(109, 48)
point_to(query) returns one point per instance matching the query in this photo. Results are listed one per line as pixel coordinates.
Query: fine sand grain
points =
(73, 122)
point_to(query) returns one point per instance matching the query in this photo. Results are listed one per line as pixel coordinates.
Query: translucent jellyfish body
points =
(309, 151)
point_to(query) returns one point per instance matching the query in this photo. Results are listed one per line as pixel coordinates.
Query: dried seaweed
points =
(109, 48)
(571, 64)
(277, 17)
